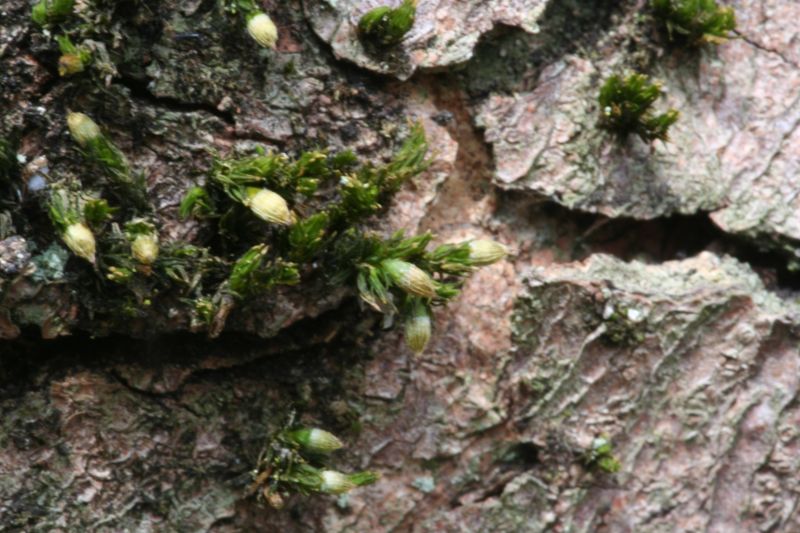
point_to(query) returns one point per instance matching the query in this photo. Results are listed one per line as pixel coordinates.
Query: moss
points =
(623, 325)
(47, 12)
(694, 22)
(385, 26)
(290, 464)
(626, 107)
(600, 456)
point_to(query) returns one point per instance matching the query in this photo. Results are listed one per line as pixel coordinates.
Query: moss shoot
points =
(694, 22)
(297, 461)
(626, 107)
(385, 26)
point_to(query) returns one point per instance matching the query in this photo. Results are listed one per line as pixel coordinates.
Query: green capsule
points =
(418, 328)
(315, 440)
(485, 252)
(410, 278)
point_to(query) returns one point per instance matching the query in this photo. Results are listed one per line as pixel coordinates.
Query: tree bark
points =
(649, 300)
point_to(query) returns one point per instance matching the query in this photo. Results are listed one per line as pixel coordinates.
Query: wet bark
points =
(650, 299)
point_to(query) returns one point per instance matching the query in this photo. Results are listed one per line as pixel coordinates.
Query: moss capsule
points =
(335, 482)
(80, 240)
(69, 64)
(269, 206)
(316, 440)
(144, 248)
(410, 278)
(83, 129)
(485, 252)
(418, 328)
(263, 30)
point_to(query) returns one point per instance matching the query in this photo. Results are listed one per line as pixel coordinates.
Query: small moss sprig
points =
(77, 217)
(400, 275)
(600, 456)
(47, 12)
(271, 220)
(97, 147)
(296, 461)
(255, 272)
(74, 59)
(385, 26)
(626, 107)
(695, 22)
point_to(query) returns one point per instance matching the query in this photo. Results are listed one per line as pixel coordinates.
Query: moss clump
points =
(51, 11)
(385, 26)
(626, 107)
(282, 220)
(270, 220)
(74, 59)
(601, 457)
(621, 328)
(296, 461)
(694, 22)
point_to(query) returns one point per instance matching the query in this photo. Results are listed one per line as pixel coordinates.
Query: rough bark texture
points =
(650, 298)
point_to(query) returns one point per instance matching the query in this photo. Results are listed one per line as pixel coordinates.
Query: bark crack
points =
(139, 89)
(755, 44)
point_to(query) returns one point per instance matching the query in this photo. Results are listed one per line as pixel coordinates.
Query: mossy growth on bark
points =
(626, 107)
(624, 325)
(297, 461)
(269, 219)
(600, 456)
(283, 219)
(385, 26)
(47, 12)
(694, 22)
(74, 59)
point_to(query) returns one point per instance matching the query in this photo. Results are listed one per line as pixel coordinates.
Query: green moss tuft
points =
(51, 11)
(626, 107)
(694, 22)
(384, 26)
(601, 457)
(288, 464)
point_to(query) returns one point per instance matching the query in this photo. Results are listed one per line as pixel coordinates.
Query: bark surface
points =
(650, 300)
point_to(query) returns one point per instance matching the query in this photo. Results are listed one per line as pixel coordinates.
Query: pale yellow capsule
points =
(485, 252)
(144, 248)
(410, 278)
(82, 128)
(263, 30)
(80, 240)
(269, 206)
